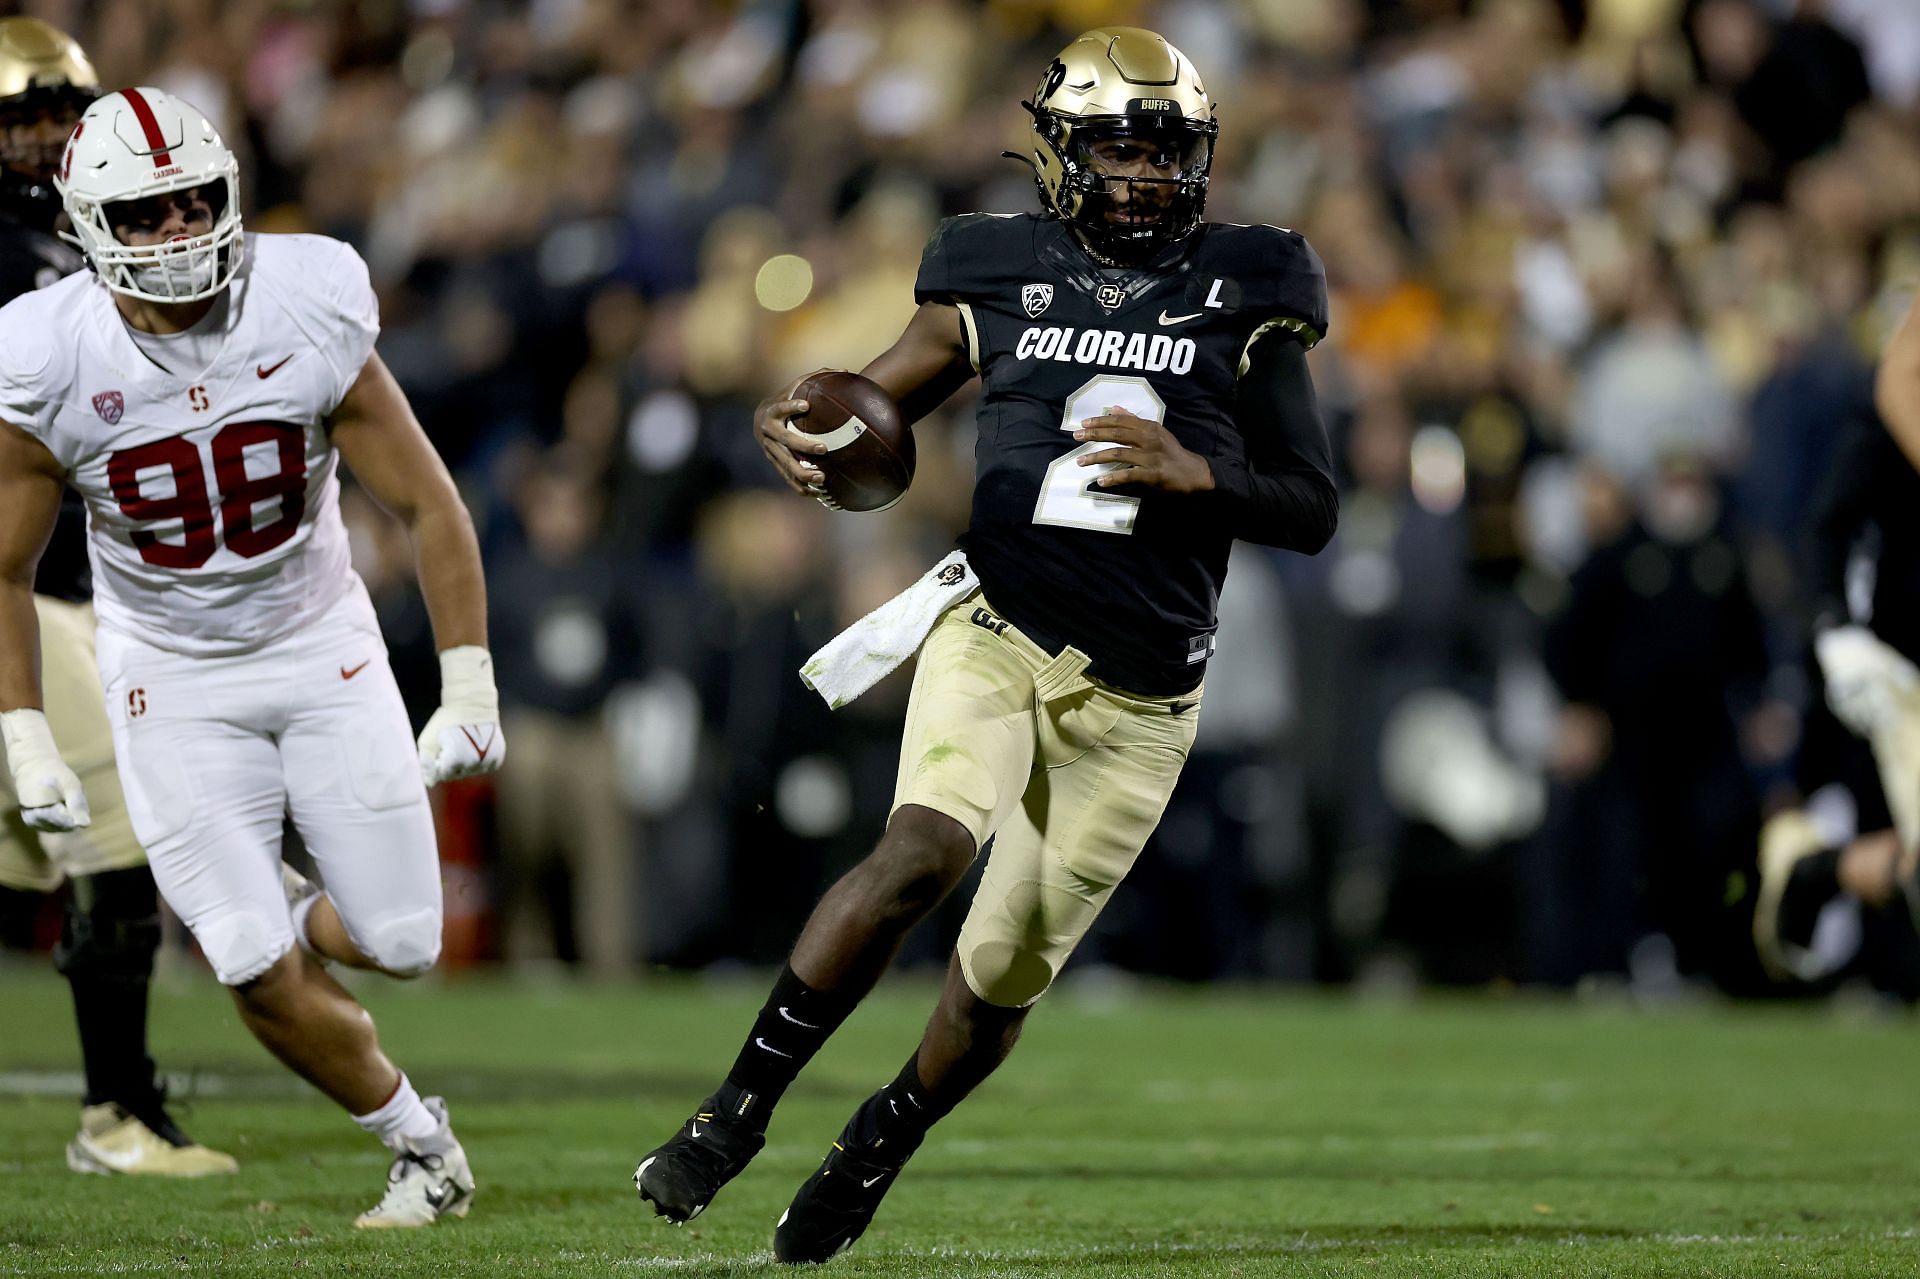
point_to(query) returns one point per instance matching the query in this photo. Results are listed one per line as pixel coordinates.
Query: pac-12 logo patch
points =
(110, 405)
(1036, 298)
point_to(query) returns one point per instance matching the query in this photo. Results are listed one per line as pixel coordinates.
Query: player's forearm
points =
(19, 646)
(447, 558)
(1293, 510)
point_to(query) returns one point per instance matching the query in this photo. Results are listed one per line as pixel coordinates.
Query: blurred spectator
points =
(564, 638)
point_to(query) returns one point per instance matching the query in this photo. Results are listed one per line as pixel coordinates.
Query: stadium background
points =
(1608, 278)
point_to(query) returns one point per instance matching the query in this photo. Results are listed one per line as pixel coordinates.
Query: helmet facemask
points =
(183, 269)
(1128, 206)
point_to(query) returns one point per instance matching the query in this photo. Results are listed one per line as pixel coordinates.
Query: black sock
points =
(1815, 882)
(896, 1119)
(107, 942)
(793, 1025)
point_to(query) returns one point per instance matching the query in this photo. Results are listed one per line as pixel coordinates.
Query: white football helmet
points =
(143, 142)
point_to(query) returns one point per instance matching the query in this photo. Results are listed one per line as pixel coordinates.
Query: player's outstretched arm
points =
(1896, 388)
(382, 443)
(30, 484)
(920, 370)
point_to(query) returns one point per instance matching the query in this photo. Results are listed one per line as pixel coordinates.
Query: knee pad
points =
(111, 927)
(404, 945)
(1005, 975)
(243, 945)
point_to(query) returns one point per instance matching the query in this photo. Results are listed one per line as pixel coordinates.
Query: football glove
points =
(1867, 680)
(49, 792)
(463, 738)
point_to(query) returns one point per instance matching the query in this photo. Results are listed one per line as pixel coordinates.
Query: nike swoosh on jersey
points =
(349, 674)
(1177, 319)
(268, 370)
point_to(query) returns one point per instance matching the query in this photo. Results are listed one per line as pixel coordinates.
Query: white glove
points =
(49, 792)
(463, 738)
(1867, 679)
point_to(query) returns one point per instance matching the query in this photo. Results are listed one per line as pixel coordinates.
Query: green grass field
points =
(1165, 1133)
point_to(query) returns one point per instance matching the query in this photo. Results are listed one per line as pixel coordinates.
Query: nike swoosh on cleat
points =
(438, 1196)
(641, 1171)
(693, 1128)
(1177, 319)
(805, 1025)
(761, 1043)
(123, 1160)
(868, 1185)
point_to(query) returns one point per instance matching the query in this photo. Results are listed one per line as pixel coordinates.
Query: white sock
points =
(403, 1117)
(302, 909)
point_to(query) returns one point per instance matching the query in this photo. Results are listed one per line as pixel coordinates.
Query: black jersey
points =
(32, 259)
(1129, 575)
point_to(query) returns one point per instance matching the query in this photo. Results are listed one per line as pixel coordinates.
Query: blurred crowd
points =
(1608, 279)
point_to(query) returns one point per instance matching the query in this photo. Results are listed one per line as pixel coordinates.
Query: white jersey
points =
(213, 499)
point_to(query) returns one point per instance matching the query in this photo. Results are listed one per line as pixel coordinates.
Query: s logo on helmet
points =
(110, 405)
(66, 161)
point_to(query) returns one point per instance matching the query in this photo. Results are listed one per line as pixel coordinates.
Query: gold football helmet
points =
(1122, 86)
(45, 83)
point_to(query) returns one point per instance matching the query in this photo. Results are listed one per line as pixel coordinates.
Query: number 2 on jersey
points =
(239, 493)
(1068, 496)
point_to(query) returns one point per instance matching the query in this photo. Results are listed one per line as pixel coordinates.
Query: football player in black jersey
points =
(112, 919)
(1145, 401)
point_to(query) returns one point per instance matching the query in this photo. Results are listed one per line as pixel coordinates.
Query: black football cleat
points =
(681, 1178)
(836, 1205)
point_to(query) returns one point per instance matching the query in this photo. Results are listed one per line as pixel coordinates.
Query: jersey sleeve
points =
(27, 397)
(935, 281)
(350, 312)
(968, 255)
(1286, 288)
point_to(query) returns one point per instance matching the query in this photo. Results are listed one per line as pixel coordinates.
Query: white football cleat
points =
(114, 1140)
(428, 1180)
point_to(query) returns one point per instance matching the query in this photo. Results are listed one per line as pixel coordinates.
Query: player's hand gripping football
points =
(787, 448)
(463, 739)
(49, 792)
(1146, 451)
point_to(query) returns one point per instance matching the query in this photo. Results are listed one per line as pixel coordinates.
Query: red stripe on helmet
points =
(150, 125)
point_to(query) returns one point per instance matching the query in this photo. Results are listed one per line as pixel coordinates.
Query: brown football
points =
(870, 462)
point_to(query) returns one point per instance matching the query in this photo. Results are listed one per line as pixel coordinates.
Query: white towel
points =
(857, 658)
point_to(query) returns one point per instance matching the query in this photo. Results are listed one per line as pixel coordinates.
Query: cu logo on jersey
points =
(136, 703)
(1036, 298)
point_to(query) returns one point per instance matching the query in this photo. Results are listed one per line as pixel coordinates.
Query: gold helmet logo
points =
(1123, 86)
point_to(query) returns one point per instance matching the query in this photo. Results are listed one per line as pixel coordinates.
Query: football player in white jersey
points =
(199, 388)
